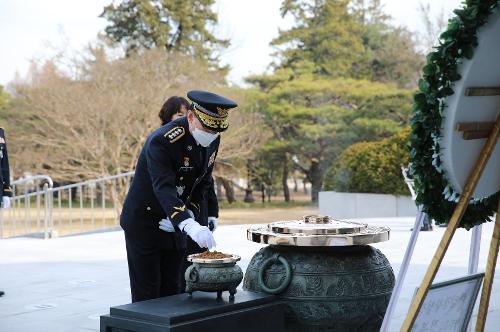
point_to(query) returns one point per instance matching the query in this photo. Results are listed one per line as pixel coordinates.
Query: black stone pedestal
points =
(203, 312)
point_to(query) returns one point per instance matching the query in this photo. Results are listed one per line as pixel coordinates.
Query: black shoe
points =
(2, 293)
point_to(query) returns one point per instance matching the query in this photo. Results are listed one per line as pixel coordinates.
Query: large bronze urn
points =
(325, 271)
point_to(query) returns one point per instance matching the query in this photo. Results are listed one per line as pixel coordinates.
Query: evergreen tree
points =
(335, 83)
(325, 39)
(390, 53)
(346, 38)
(176, 25)
(313, 120)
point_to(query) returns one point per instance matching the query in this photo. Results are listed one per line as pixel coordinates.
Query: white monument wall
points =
(361, 205)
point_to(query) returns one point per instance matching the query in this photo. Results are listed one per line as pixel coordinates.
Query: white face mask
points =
(203, 138)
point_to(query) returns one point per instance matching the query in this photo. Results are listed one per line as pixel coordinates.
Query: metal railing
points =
(26, 215)
(70, 209)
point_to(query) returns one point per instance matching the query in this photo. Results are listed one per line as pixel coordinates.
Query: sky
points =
(34, 30)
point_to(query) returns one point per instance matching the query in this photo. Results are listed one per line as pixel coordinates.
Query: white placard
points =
(448, 305)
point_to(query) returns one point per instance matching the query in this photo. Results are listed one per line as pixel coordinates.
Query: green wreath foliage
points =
(458, 42)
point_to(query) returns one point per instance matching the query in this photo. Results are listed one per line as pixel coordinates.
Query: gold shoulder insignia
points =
(178, 209)
(174, 134)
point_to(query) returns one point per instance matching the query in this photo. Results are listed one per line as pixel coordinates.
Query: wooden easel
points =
(473, 132)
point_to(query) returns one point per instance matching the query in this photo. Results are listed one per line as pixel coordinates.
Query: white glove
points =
(212, 223)
(5, 202)
(166, 225)
(190, 213)
(199, 234)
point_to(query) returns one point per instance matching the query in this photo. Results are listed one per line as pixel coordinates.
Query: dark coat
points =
(173, 174)
(5, 189)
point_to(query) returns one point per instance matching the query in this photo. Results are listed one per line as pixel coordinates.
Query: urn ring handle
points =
(288, 274)
(193, 274)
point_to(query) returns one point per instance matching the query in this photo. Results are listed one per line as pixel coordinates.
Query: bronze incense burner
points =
(213, 274)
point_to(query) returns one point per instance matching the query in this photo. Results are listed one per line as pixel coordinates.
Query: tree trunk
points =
(263, 192)
(316, 177)
(295, 185)
(248, 191)
(218, 183)
(228, 188)
(286, 190)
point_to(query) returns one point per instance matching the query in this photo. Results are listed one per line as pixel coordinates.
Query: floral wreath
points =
(434, 193)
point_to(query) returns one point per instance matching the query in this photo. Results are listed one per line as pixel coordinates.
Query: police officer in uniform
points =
(167, 200)
(5, 189)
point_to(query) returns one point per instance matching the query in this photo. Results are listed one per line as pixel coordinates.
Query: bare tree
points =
(245, 134)
(94, 121)
(434, 25)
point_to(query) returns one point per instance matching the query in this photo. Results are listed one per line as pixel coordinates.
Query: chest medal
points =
(180, 190)
(186, 167)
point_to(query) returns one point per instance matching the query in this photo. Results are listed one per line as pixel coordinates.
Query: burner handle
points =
(288, 274)
(193, 274)
(317, 219)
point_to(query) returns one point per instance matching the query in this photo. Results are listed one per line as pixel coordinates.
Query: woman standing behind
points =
(174, 108)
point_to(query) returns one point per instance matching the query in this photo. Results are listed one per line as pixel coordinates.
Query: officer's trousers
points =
(154, 272)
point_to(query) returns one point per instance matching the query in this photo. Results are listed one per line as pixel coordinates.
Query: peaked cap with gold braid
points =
(211, 109)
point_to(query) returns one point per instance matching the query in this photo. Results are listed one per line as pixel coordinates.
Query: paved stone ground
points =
(65, 284)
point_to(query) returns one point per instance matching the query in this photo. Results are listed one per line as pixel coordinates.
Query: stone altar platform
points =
(201, 312)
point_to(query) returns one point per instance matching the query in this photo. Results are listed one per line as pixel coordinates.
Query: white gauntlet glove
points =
(212, 223)
(199, 234)
(5, 202)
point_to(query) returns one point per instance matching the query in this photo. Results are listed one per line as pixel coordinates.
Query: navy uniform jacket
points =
(173, 174)
(5, 189)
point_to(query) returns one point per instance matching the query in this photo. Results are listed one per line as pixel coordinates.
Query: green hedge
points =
(371, 167)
